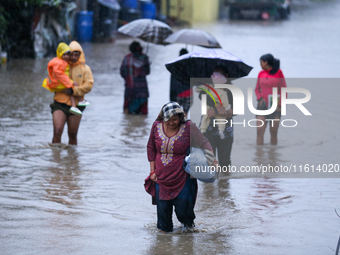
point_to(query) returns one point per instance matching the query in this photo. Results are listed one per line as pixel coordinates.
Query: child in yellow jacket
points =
(58, 75)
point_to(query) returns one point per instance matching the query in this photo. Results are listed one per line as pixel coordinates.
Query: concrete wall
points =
(191, 10)
(205, 10)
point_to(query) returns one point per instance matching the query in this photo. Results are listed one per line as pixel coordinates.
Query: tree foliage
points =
(7, 5)
(3, 23)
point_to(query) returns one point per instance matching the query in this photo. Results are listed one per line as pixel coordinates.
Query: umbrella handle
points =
(147, 48)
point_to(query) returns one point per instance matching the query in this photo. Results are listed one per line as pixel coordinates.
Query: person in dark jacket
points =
(179, 92)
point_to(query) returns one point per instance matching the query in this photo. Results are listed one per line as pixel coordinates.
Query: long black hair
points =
(273, 62)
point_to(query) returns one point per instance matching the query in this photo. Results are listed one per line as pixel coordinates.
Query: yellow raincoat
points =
(58, 71)
(79, 73)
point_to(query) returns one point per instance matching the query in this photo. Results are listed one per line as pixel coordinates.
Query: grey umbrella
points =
(149, 30)
(194, 37)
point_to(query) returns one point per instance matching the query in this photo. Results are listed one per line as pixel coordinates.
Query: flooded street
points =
(90, 198)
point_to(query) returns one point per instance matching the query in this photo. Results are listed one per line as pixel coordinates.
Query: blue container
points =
(85, 26)
(130, 4)
(148, 10)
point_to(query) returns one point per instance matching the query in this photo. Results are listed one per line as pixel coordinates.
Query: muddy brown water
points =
(90, 199)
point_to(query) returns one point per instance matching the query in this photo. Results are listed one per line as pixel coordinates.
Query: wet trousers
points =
(184, 207)
(223, 146)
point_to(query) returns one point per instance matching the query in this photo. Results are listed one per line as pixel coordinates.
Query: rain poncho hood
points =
(75, 46)
(62, 49)
(58, 71)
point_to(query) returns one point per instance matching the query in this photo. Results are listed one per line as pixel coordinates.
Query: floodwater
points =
(90, 199)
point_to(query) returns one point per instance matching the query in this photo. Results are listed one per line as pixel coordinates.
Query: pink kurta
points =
(168, 154)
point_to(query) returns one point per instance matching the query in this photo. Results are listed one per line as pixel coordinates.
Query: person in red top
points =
(270, 77)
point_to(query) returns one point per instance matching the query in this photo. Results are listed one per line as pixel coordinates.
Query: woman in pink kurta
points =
(270, 77)
(168, 183)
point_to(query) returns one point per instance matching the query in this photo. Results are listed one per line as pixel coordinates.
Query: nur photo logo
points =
(239, 103)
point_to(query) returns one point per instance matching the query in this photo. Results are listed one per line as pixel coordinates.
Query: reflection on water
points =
(165, 244)
(135, 126)
(63, 178)
(267, 195)
(267, 155)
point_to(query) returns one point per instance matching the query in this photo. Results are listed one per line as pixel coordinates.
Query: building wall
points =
(205, 10)
(191, 10)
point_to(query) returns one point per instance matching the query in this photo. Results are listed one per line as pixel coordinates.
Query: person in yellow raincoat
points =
(58, 71)
(81, 74)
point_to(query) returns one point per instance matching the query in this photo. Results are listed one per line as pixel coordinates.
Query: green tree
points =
(3, 24)
(5, 5)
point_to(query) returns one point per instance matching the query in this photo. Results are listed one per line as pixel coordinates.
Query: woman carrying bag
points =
(170, 186)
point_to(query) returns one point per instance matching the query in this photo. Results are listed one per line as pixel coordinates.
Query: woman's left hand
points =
(215, 164)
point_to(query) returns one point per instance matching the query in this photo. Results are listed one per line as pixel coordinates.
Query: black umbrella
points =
(201, 64)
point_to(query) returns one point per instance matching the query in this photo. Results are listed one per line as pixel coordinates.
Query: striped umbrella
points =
(149, 30)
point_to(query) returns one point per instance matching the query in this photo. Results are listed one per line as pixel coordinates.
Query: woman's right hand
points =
(153, 177)
(262, 102)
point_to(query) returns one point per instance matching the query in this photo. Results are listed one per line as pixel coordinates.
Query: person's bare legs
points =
(73, 122)
(80, 98)
(59, 120)
(260, 129)
(73, 101)
(273, 130)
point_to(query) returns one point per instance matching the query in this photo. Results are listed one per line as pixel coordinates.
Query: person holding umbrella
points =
(134, 69)
(202, 64)
(222, 143)
(180, 92)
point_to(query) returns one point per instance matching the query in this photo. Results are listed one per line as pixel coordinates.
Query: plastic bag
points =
(197, 166)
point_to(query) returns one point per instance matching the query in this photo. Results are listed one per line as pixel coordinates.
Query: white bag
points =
(197, 166)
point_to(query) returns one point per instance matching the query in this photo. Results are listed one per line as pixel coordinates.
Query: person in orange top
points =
(81, 74)
(58, 75)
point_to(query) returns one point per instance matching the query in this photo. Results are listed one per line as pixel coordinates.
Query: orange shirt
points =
(56, 74)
